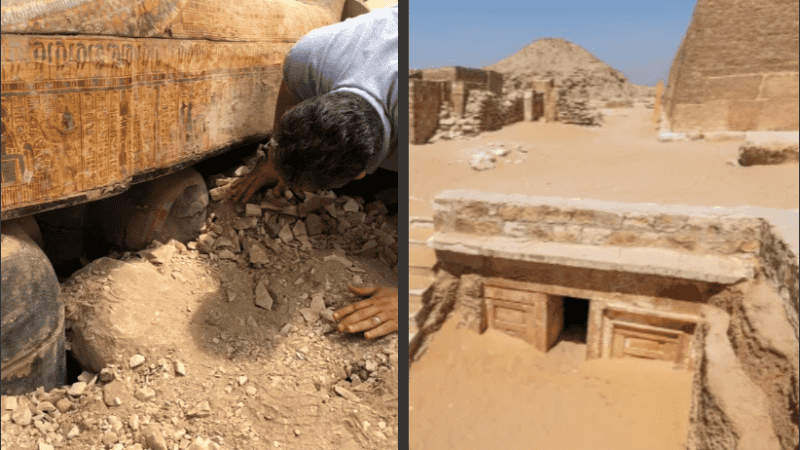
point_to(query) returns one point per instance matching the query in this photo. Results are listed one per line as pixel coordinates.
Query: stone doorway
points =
(576, 320)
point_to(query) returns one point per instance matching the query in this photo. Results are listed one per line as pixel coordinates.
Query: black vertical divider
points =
(402, 229)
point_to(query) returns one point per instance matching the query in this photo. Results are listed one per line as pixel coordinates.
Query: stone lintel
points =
(663, 262)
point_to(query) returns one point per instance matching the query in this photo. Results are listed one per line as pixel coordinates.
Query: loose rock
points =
(263, 298)
(201, 410)
(76, 390)
(252, 210)
(136, 361)
(350, 206)
(155, 440)
(346, 394)
(285, 234)
(180, 369)
(314, 225)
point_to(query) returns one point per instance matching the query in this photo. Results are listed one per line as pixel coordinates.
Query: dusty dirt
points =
(620, 161)
(255, 378)
(510, 396)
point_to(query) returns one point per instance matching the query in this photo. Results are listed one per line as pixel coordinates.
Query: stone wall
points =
(746, 384)
(598, 223)
(456, 73)
(512, 109)
(423, 110)
(459, 95)
(494, 82)
(737, 68)
(757, 237)
(483, 111)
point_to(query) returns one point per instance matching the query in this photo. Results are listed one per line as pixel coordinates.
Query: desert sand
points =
(474, 391)
(620, 161)
(510, 396)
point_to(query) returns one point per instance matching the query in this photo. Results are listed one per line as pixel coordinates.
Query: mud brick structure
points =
(423, 109)
(488, 80)
(736, 69)
(454, 86)
(713, 290)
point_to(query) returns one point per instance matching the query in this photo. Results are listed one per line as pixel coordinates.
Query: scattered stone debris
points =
(485, 158)
(167, 335)
(765, 152)
(577, 111)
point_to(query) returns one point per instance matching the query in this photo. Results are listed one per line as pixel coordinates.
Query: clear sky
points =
(638, 38)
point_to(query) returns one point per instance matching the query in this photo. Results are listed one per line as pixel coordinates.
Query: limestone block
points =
(567, 233)
(712, 115)
(780, 85)
(510, 212)
(527, 101)
(669, 222)
(744, 114)
(474, 210)
(597, 218)
(733, 87)
(779, 114)
(546, 213)
(479, 227)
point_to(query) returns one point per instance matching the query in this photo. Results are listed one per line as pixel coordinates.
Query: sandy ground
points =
(510, 396)
(620, 161)
(494, 391)
(255, 377)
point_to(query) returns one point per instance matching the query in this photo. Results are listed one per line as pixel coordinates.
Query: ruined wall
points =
(423, 110)
(598, 223)
(455, 74)
(746, 385)
(737, 68)
(494, 82)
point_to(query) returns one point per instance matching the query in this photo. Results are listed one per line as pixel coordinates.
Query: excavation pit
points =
(570, 299)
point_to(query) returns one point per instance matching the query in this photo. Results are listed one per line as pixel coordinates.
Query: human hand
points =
(259, 177)
(376, 315)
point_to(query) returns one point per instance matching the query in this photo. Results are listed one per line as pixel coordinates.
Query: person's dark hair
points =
(325, 142)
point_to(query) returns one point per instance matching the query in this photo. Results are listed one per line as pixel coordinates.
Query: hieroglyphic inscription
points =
(248, 20)
(82, 113)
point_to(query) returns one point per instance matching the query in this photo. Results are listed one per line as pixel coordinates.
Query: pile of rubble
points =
(486, 158)
(485, 111)
(451, 126)
(320, 220)
(577, 111)
(227, 342)
(574, 105)
(513, 108)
